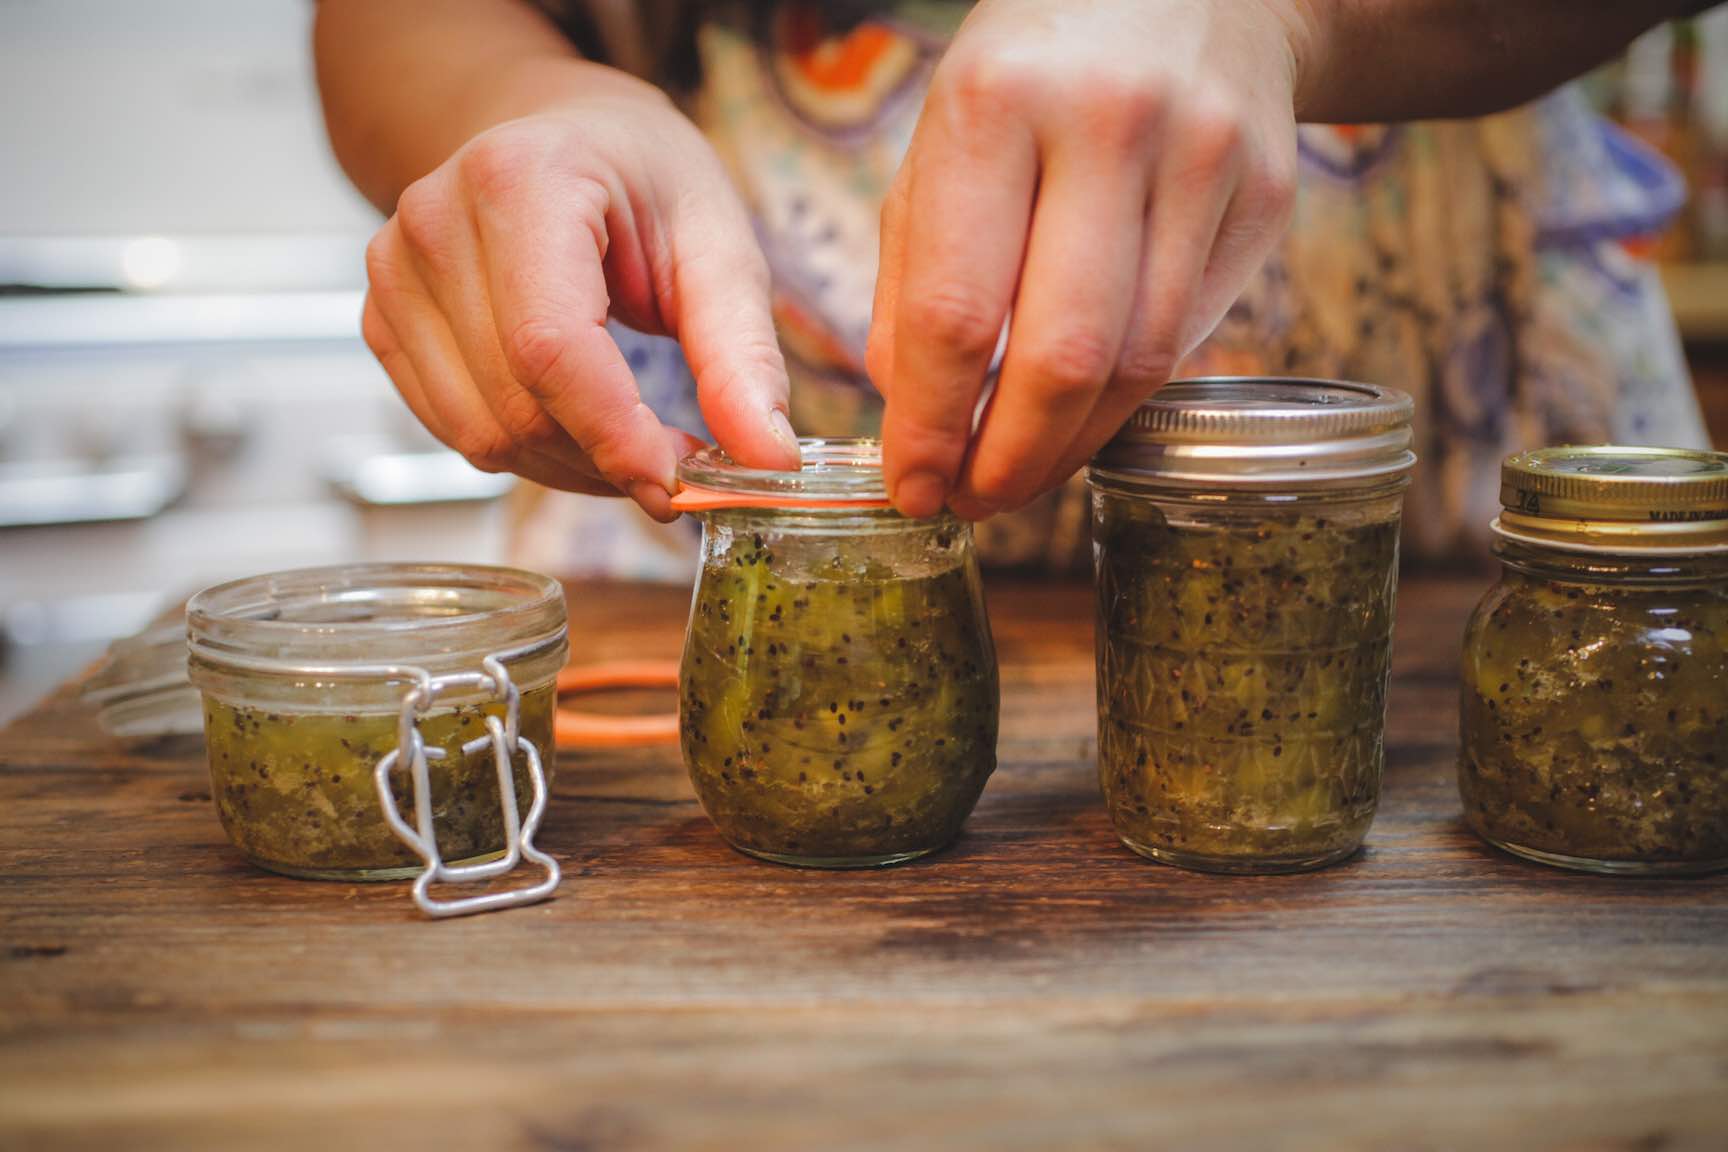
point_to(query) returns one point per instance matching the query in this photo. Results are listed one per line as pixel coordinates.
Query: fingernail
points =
(920, 494)
(781, 429)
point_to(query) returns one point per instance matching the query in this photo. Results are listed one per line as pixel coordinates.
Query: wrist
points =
(562, 85)
(1308, 29)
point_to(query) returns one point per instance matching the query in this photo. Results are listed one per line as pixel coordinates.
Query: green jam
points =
(1243, 658)
(295, 790)
(1595, 724)
(838, 712)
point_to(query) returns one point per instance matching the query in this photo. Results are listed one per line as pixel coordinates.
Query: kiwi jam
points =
(1242, 670)
(305, 674)
(295, 791)
(1595, 722)
(839, 694)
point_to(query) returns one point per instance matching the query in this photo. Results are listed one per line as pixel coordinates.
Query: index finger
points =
(968, 203)
(724, 321)
(542, 250)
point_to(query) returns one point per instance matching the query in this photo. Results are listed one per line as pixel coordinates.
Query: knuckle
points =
(383, 267)
(1071, 365)
(606, 439)
(926, 438)
(374, 332)
(742, 267)
(486, 448)
(1214, 130)
(957, 317)
(423, 212)
(1271, 189)
(1122, 111)
(391, 360)
(533, 350)
(1148, 363)
(525, 423)
(988, 85)
(493, 164)
(591, 200)
(750, 363)
(998, 480)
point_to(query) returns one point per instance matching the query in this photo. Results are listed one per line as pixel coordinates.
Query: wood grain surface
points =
(1037, 986)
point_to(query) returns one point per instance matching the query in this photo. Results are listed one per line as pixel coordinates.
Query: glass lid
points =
(846, 471)
(374, 613)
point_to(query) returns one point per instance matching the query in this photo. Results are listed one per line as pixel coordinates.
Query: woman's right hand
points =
(491, 285)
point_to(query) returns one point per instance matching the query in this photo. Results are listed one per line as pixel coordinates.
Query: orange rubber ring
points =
(573, 729)
(695, 498)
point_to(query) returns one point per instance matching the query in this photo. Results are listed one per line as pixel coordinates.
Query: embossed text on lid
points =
(1612, 498)
(1610, 482)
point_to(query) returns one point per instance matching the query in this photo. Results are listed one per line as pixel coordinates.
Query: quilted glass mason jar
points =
(1245, 533)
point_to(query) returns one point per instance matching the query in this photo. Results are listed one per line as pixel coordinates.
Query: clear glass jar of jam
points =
(1594, 724)
(1245, 533)
(303, 676)
(838, 698)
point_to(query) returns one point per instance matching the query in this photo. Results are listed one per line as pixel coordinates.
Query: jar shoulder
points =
(1526, 622)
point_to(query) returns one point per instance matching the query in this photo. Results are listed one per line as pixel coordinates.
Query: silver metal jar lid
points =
(1252, 430)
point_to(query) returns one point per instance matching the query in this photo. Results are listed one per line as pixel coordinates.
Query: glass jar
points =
(1594, 725)
(139, 689)
(838, 691)
(1245, 533)
(303, 676)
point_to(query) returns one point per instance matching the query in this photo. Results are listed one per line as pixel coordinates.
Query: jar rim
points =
(832, 469)
(321, 621)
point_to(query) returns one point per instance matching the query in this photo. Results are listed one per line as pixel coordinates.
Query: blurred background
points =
(183, 394)
(1671, 90)
(184, 397)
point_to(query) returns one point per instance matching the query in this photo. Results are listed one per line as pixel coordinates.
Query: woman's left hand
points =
(1111, 172)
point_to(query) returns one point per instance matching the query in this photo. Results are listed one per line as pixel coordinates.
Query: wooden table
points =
(1035, 986)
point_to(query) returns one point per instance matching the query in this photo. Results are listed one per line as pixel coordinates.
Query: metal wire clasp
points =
(505, 740)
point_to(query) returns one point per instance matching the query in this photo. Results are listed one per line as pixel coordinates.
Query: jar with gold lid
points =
(1594, 724)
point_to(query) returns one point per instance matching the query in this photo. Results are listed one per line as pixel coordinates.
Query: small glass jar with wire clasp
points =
(338, 699)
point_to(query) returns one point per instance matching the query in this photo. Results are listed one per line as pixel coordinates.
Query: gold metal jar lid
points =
(1612, 498)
